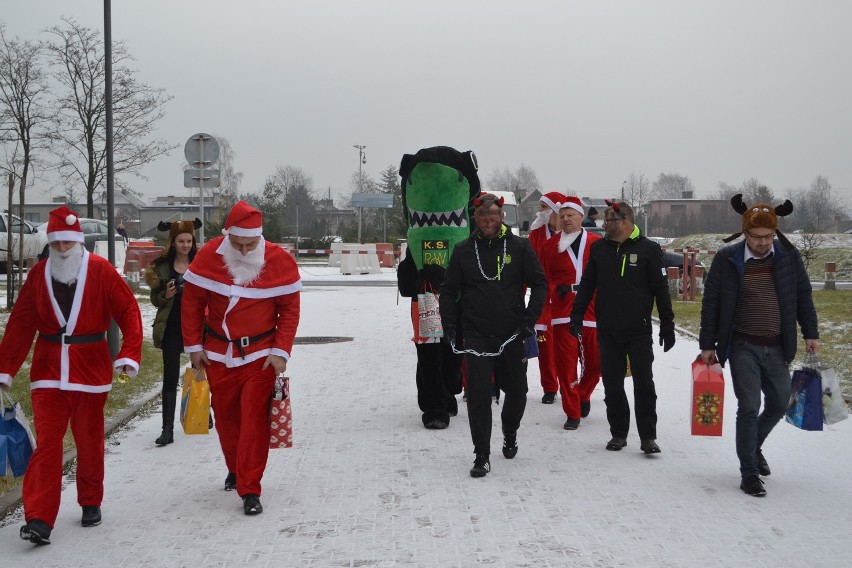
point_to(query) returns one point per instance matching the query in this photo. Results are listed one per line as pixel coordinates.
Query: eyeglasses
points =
(613, 220)
(766, 238)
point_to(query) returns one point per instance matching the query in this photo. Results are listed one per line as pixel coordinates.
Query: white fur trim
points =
(76, 236)
(134, 366)
(573, 206)
(241, 232)
(235, 291)
(555, 206)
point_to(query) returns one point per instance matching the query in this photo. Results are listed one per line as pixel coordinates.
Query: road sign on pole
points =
(201, 151)
(194, 178)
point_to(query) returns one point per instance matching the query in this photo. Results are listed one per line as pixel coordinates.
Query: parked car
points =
(94, 230)
(34, 239)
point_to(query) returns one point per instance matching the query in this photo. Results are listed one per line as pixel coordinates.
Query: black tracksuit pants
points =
(615, 348)
(509, 371)
(438, 381)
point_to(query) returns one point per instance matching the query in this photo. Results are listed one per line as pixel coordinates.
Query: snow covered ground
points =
(366, 485)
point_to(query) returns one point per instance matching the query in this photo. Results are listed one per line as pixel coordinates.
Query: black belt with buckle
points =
(240, 342)
(66, 339)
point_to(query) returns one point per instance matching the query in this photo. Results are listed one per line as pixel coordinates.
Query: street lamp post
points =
(362, 159)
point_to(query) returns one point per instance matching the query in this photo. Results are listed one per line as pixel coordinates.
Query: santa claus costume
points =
(69, 299)
(541, 231)
(252, 312)
(565, 255)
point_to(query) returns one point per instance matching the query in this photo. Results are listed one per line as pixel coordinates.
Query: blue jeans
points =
(756, 369)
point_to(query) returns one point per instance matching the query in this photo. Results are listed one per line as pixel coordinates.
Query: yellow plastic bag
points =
(195, 403)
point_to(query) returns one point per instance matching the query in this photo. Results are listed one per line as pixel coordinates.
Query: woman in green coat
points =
(165, 277)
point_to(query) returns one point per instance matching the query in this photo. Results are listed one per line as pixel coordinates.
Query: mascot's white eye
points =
(765, 210)
(755, 210)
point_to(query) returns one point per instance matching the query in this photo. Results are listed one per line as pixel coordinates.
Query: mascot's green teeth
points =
(455, 218)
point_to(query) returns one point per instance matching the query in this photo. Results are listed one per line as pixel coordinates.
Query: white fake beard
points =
(566, 239)
(65, 266)
(540, 219)
(244, 269)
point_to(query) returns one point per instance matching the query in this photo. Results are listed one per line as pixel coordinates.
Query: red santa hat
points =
(64, 225)
(552, 199)
(244, 221)
(572, 202)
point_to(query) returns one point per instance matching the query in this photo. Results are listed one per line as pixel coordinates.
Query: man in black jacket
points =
(755, 293)
(483, 294)
(626, 270)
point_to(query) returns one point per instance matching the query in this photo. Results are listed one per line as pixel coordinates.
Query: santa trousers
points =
(240, 398)
(549, 381)
(509, 370)
(53, 409)
(566, 356)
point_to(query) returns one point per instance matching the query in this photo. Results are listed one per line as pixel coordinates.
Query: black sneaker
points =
(752, 485)
(510, 446)
(649, 446)
(615, 444)
(36, 531)
(548, 398)
(481, 466)
(585, 408)
(251, 504)
(436, 424)
(91, 516)
(231, 481)
(572, 424)
(762, 466)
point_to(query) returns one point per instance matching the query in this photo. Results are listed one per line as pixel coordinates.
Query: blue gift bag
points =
(16, 440)
(805, 408)
(531, 346)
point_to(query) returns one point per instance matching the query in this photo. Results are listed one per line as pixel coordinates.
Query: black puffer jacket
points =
(722, 294)
(629, 277)
(494, 308)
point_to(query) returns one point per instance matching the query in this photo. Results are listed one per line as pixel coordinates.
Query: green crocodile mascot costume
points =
(438, 186)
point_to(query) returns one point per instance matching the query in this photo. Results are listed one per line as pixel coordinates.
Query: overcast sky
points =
(582, 92)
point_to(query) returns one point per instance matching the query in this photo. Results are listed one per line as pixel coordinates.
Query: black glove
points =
(433, 274)
(562, 289)
(667, 340)
(449, 333)
(526, 331)
(576, 329)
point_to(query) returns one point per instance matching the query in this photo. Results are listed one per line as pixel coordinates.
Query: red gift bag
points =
(281, 416)
(708, 398)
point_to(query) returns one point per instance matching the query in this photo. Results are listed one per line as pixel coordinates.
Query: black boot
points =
(169, 403)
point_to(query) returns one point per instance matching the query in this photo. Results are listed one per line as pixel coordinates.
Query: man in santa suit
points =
(545, 225)
(565, 256)
(249, 290)
(69, 299)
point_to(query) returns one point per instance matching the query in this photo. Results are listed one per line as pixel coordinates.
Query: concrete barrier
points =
(358, 259)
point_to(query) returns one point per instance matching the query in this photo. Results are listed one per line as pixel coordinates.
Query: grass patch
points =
(834, 311)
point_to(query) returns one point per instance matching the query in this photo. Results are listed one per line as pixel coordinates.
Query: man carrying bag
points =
(756, 292)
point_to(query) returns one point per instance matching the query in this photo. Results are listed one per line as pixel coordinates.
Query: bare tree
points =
(726, 191)
(637, 189)
(809, 244)
(517, 181)
(287, 202)
(78, 133)
(820, 204)
(755, 192)
(22, 90)
(672, 186)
